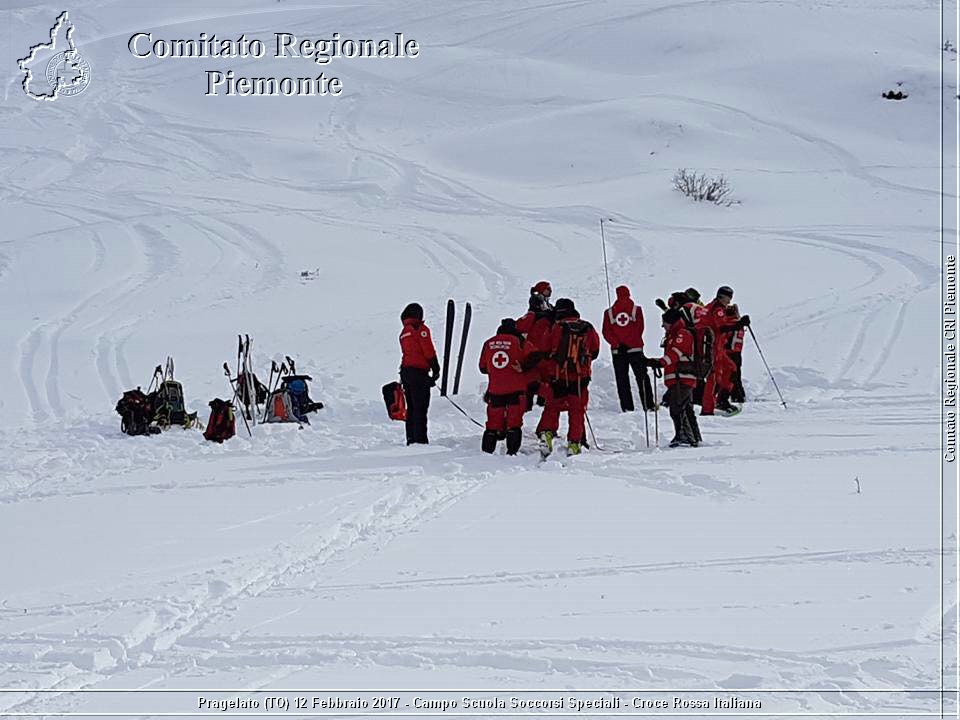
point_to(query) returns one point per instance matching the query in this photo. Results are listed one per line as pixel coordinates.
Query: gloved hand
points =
(653, 362)
(744, 321)
(434, 372)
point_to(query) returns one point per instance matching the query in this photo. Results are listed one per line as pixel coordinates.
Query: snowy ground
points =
(142, 219)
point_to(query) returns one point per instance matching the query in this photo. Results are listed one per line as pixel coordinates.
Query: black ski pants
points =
(622, 364)
(737, 394)
(416, 386)
(684, 418)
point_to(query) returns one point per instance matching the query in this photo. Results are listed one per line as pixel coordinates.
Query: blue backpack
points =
(296, 388)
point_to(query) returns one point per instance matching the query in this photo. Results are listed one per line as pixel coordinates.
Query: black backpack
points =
(136, 413)
(168, 406)
(259, 390)
(572, 357)
(222, 424)
(702, 363)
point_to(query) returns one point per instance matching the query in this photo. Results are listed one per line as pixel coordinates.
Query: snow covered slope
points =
(142, 219)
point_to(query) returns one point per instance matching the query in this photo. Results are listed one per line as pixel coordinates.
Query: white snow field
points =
(142, 218)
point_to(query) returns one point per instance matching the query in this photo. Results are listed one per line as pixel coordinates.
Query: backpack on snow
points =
(291, 401)
(572, 358)
(395, 401)
(259, 390)
(136, 413)
(168, 406)
(222, 424)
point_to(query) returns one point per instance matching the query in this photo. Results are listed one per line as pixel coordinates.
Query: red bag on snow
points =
(395, 401)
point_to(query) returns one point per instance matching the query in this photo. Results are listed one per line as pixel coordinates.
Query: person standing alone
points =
(623, 330)
(419, 370)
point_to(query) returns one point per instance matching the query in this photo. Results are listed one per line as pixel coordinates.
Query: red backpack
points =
(222, 424)
(395, 401)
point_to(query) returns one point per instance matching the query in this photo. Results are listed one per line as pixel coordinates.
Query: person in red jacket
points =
(544, 290)
(679, 375)
(419, 370)
(623, 330)
(535, 327)
(505, 360)
(573, 345)
(719, 381)
(735, 352)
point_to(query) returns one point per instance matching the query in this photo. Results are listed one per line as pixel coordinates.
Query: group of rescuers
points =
(545, 358)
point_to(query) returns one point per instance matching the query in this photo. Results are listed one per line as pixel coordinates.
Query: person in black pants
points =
(419, 370)
(625, 360)
(623, 330)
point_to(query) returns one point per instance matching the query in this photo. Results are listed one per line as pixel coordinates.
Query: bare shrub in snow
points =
(701, 187)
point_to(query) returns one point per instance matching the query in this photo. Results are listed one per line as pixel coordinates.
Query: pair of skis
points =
(448, 344)
(244, 387)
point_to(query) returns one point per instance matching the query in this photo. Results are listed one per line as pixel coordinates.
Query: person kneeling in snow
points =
(679, 375)
(506, 359)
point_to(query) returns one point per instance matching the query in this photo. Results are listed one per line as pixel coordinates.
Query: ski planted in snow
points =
(467, 313)
(235, 387)
(447, 342)
(251, 390)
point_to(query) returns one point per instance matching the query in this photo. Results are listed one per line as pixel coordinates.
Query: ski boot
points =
(546, 443)
(724, 405)
(514, 440)
(573, 448)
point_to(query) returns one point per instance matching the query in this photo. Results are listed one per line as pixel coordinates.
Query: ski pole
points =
(157, 372)
(656, 410)
(592, 433)
(606, 273)
(463, 412)
(586, 416)
(274, 379)
(646, 422)
(226, 371)
(782, 401)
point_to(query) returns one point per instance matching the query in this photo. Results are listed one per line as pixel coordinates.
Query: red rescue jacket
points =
(736, 340)
(503, 360)
(623, 322)
(724, 327)
(536, 328)
(678, 356)
(416, 345)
